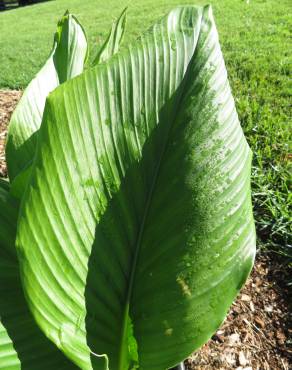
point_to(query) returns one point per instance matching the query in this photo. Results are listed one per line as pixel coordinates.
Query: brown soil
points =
(8, 101)
(255, 335)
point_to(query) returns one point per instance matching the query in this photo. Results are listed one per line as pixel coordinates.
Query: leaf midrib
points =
(147, 207)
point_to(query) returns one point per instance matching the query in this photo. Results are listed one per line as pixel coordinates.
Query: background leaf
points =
(140, 222)
(65, 61)
(113, 41)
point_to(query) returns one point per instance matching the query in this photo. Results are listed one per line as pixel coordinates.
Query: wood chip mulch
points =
(257, 333)
(8, 101)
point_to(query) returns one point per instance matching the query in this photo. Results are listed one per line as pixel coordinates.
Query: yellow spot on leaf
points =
(184, 286)
(168, 331)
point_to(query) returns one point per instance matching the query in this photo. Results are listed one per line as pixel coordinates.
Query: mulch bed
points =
(8, 101)
(257, 333)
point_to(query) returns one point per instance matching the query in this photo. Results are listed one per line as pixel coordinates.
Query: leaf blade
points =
(135, 211)
(113, 41)
(22, 344)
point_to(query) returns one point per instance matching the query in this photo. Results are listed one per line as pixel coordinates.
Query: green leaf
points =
(113, 41)
(65, 61)
(137, 228)
(22, 344)
(4, 183)
(19, 183)
(8, 217)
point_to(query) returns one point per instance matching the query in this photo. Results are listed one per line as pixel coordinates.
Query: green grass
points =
(254, 40)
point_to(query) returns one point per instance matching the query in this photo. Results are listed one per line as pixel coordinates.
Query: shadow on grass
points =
(13, 4)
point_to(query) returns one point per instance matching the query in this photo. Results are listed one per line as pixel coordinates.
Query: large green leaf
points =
(136, 232)
(65, 61)
(22, 344)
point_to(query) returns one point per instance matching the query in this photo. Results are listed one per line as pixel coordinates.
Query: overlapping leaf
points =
(22, 344)
(136, 231)
(65, 61)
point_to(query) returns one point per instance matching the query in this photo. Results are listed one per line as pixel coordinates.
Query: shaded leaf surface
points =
(22, 344)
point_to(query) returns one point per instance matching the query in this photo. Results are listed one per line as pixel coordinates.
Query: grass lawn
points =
(254, 37)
